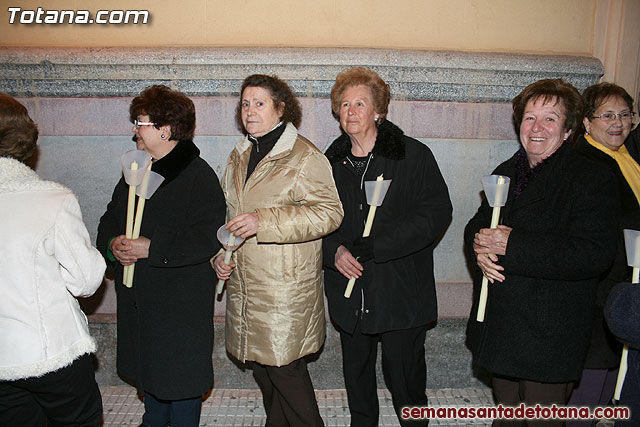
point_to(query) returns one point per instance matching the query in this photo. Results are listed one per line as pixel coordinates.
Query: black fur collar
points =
(176, 160)
(389, 144)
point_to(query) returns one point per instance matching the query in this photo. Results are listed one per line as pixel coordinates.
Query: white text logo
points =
(42, 16)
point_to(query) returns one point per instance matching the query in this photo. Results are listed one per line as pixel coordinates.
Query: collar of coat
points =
(176, 160)
(389, 144)
(15, 176)
(284, 144)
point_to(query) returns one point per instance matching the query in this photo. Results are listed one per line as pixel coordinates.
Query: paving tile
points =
(227, 407)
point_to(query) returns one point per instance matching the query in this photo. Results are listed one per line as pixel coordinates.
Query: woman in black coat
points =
(633, 143)
(165, 321)
(607, 122)
(558, 235)
(394, 297)
(623, 317)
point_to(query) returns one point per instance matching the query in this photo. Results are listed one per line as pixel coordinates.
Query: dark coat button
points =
(165, 261)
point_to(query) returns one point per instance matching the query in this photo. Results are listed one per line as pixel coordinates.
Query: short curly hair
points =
(356, 76)
(548, 90)
(596, 95)
(166, 106)
(18, 133)
(280, 93)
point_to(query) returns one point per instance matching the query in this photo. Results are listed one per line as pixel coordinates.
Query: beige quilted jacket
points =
(275, 305)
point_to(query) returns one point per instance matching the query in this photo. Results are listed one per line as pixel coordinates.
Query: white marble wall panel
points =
(216, 116)
(462, 163)
(81, 140)
(90, 166)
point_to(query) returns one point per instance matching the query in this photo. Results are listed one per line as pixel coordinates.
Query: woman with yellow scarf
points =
(607, 122)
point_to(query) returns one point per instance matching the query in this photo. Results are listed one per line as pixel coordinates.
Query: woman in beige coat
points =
(282, 199)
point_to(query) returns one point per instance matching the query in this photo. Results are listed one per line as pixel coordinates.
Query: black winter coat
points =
(165, 321)
(633, 143)
(397, 286)
(623, 317)
(565, 228)
(604, 350)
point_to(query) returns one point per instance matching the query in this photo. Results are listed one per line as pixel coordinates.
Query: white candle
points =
(495, 217)
(227, 260)
(131, 202)
(138, 224)
(372, 209)
(367, 228)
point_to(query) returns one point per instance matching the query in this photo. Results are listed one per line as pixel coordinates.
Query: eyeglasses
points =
(137, 124)
(609, 117)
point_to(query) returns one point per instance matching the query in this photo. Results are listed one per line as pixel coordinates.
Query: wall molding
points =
(454, 76)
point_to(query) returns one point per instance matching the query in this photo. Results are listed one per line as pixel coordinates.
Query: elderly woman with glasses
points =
(165, 321)
(558, 236)
(607, 124)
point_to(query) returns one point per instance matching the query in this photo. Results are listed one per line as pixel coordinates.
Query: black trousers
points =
(287, 392)
(67, 397)
(403, 365)
(177, 413)
(514, 391)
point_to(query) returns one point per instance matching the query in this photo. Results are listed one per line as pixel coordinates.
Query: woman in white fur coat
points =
(46, 261)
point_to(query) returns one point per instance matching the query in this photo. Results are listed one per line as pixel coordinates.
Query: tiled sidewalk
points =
(244, 407)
